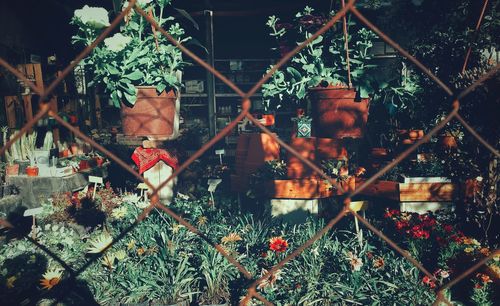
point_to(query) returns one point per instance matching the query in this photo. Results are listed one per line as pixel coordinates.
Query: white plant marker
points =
(96, 180)
(212, 185)
(220, 153)
(33, 212)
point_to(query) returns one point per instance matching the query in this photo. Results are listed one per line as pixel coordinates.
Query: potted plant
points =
(137, 67)
(320, 70)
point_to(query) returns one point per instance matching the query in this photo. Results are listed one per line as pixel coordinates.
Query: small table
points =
(35, 189)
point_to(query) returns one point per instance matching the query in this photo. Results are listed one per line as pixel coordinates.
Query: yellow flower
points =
(99, 243)
(140, 251)
(231, 238)
(473, 241)
(10, 282)
(176, 228)
(120, 255)
(51, 278)
(131, 244)
(202, 220)
(108, 260)
(119, 213)
(468, 250)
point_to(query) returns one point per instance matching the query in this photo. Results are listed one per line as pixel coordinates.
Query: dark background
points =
(42, 27)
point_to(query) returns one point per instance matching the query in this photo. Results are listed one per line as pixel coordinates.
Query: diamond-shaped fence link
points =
(246, 104)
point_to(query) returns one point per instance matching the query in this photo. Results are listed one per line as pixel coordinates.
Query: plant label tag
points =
(182, 196)
(220, 152)
(95, 179)
(142, 186)
(213, 183)
(32, 211)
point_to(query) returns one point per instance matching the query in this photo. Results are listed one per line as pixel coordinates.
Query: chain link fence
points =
(454, 114)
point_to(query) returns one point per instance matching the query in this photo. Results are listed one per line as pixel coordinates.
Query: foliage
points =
(136, 55)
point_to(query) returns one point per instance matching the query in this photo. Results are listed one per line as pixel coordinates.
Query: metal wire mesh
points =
(246, 104)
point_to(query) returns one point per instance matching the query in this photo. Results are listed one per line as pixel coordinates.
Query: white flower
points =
(355, 261)
(93, 16)
(479, 178)
(117, 42)
(119, 212)
(131, 198)
(444, 274)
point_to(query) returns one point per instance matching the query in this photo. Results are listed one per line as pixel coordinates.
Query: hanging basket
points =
(337, 113)
(153, 115)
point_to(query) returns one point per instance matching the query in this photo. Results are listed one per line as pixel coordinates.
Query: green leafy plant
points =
(136, 55)
(217, 272)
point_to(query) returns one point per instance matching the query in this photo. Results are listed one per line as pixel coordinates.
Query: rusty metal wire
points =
(246, 104)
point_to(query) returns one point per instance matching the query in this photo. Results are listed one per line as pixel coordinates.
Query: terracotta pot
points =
(328, 148)
(306, 147)
(269, 119)
(99, 161)
(151, 115)
(416, 134)
(32, 171)
(447, 142)
(64, 153)
(74, 149)
(337, 114)
(12, 170)
(379, 153)
(407, 141)
(413, 135)
(83, 164)
(261, 148)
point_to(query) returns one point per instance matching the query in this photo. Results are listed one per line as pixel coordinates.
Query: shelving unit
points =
(195, 97)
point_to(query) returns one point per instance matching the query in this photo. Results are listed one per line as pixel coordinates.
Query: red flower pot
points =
(337, 114)
(32, 171)
(151, 115)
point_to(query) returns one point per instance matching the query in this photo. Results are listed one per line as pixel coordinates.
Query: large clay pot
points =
(337, 114)
(261, 148)
(152, 115)
(306, 147)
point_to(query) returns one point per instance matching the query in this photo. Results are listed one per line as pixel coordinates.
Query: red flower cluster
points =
(278, 244)
(418, 231)
(429, 282)
(391, 212)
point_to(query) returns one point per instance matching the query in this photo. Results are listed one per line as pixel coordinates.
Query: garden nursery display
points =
(164, 152)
